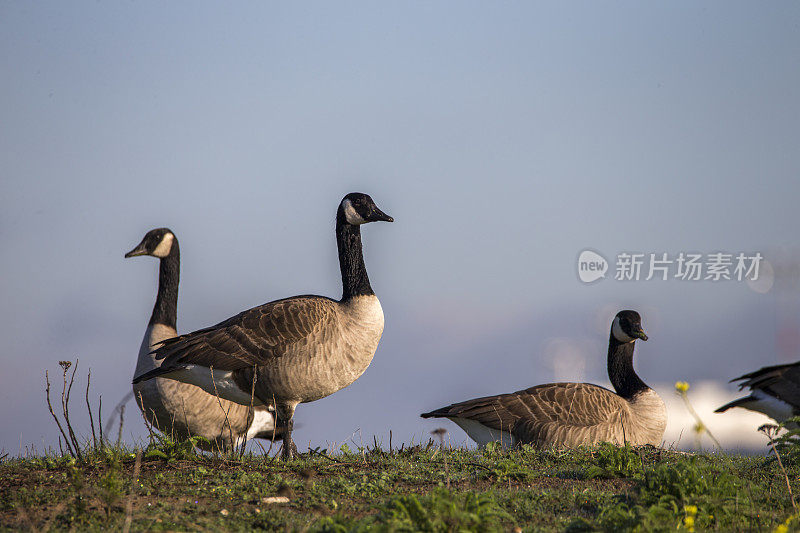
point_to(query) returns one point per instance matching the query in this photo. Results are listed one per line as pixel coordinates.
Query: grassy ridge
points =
(601, 488)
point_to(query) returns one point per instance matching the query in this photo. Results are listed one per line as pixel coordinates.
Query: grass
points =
(589, 489)
(96, 485)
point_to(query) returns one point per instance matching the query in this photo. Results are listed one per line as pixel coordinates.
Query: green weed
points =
(614, 461)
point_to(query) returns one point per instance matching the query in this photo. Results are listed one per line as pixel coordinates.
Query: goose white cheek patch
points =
(351, 215)
(163, 248)
(620, 335)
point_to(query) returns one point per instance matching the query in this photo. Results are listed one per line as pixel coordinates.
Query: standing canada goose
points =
(294, 350)
(571, 414)
(774, 391)
(179, 409)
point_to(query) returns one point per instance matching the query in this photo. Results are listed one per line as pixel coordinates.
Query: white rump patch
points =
(770, 406)
(483, 435)
(620, 335)
(263, 422)
(350, 214)
(163, 248)
(200, 376)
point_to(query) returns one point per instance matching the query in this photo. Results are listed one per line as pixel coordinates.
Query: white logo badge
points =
(591, 266)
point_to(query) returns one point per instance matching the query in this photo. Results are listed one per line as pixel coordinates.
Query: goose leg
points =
(289, 448)
(285, 421)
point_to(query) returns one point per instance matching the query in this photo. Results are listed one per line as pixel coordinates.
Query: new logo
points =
(591, 266)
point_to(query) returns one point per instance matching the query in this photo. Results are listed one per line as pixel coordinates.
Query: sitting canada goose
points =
(571, 414)
(298, 349)
(179, 409)
(774, 391)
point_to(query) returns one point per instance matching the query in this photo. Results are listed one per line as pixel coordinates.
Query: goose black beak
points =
(139, 250)
(640, 334)
(378, 215)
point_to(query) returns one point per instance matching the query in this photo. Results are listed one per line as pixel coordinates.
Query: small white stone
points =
(275, 499)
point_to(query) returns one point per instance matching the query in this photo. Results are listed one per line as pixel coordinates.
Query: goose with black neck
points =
(181, 410)
(296, 350)
(572, 414)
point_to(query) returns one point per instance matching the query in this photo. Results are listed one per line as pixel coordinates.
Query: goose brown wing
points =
(528, 412)
(253, 337)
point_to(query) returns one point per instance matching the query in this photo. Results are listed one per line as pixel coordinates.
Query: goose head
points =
(157, 242)
(358, 208)
(627, 327)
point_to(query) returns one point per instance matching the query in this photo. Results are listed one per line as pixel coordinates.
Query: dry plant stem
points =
(68, 390)
(65, 368)
(100, 420)
(326, 456)
(641, 458)
(219, 401)
(251, 414)
(112, 418)
(446, 469)
(363, 454)
(89, 407)
(66, 406)
(171, 424)
(121, 422)
(60, 428)
(185, 422)
(146, 422)
(126, 527)
(501, 425)
(770, 431)
(440, 433)
(274, 423)
(262, 447)
(699, 420)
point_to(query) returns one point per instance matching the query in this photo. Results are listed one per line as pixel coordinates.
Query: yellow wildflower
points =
(681, 386)
(688, 520)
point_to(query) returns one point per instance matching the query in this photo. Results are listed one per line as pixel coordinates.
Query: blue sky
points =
(504, 138)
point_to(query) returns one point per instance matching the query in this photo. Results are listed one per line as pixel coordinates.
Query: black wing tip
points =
(735, 403)
(160, 349)
(152, 374)
(438, 413)
(764, 370)
(143, 377)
